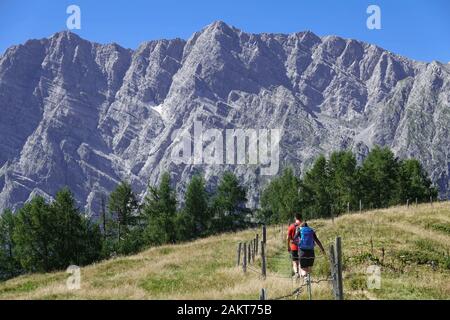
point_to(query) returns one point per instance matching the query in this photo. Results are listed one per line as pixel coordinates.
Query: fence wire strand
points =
(297, 291)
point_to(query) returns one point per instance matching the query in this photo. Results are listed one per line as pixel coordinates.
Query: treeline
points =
(332, 184)
(43, 237)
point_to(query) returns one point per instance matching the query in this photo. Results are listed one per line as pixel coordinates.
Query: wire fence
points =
(335, 256)
(297, 291)
(252, 251)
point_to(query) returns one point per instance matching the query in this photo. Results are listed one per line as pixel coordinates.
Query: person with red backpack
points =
(293, 245)
(301, 243)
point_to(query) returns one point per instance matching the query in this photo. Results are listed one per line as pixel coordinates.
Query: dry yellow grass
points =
(205, 269)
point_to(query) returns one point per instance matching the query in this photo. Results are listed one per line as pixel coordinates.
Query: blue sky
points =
(417, 29)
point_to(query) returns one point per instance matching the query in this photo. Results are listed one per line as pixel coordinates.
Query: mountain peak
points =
(221, 26)
(218, 24)
(65, 34)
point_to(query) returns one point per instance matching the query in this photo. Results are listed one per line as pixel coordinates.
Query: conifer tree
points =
(9, 265)
(124, 215)
(160, 209)
(229, 204)
(316, 184)
(197, 213)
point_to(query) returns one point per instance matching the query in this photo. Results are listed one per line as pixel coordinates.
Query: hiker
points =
(292, 245)
(302, 239)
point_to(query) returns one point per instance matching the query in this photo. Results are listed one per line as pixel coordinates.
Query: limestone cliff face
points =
(86, 115)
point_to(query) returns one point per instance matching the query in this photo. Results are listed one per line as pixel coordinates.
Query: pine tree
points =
(77, 240)
(124, 216)
(34, 236)
(379, 178)
(414, 182)
(160, 210)
(67, 229)
(316, 187)
(104, 217)
(53, 236)
(197, 213)
(280, 199)
(229, 204)
(91, 242)
(9, 265)
(342, 172)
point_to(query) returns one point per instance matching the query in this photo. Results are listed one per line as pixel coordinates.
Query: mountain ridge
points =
(88, 115)
(218, 23)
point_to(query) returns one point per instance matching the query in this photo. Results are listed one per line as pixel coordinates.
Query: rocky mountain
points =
(87, 115)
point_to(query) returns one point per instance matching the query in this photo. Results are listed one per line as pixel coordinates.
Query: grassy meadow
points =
(415, 264)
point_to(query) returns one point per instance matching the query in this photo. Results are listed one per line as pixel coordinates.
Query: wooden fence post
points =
(407, 203)
(238, 254)
(431, 200)
(254, 250)
(249, 253)
(360, 206)
(244, 258)
(333, 271)
(263, 259)
(263, 294)
(264, 235)
(338, 248)
(348, 207)
(256, 240)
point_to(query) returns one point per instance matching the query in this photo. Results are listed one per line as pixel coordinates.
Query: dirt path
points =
(422, 232)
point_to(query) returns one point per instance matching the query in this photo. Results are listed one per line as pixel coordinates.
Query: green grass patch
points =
(26, 286)
(114, 267)
(280, 263)
(356, 281)
(30, 284)
(362, 258)
(165, 251)
(165, 283)
(407, 288)
(425, 252)
(439, 226)
(61, 296)
(188, 278)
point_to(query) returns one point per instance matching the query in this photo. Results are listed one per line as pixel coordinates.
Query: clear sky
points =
(418, 29)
